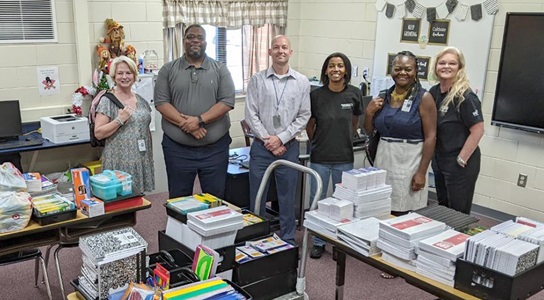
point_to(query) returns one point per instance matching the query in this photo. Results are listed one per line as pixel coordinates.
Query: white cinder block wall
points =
(316, 28)
(325, 26)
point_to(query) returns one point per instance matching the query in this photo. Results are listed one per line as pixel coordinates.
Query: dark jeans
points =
(286, 184)
(183, 163)
(455, 185)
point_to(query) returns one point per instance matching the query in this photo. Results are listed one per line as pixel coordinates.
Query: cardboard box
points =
(92, 207)
(82, 185)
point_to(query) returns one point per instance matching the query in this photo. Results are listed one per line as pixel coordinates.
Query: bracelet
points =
(118, 120)
(461, 161)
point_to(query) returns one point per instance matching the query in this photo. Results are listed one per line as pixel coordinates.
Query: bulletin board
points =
(472, 37)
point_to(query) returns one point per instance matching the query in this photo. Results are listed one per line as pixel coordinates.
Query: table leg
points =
(33, 161)
(340, 273)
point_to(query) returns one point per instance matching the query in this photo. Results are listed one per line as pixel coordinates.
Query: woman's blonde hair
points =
(460, 83)
(123, 59)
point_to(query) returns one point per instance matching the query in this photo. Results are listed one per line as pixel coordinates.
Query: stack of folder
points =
(215, 288)
(361, 235)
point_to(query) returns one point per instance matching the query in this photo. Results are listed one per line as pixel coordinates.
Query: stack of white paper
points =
(361, 235)
(355, 180)
(341, 210)
(324, 206)
(436, 255)
(367, 203)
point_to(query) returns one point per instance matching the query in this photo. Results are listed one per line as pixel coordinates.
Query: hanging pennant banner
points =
(491, 6)
(476, 12)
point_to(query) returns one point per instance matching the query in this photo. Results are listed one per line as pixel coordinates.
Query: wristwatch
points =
(201, 122)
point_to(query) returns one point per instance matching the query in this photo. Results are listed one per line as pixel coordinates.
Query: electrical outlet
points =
(365, 72)
(522, 180)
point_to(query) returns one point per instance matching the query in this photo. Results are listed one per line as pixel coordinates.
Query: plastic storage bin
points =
(108, 185)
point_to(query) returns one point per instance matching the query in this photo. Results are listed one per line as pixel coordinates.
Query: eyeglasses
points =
(194, 76)
(191, 37)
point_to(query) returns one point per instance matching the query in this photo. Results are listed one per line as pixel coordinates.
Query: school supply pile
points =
(110, 261)
(52, 208)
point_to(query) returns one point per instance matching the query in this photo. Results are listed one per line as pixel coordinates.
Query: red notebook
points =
(122, 204)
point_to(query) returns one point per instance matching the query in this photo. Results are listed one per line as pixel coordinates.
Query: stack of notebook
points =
(437, 254)
(110, 261)
(501, 252)
(398, 237)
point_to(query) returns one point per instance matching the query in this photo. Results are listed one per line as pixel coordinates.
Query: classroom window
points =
(27, 21)
(225, 45)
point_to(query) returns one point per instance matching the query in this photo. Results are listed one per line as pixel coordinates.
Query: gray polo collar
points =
(205, 64)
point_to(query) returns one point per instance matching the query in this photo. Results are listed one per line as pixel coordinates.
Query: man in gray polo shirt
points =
(194, 94)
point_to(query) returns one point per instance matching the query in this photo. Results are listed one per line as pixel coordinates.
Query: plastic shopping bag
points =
(15, 211)
(11, 178)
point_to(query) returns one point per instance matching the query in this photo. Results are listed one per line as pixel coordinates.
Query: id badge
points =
(141, 145)
(407, 105)
(276, 120)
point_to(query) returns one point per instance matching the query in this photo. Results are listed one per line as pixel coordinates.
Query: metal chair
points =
(25, 255)
(63, 244)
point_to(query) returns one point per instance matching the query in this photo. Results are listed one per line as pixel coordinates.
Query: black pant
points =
(455, 185)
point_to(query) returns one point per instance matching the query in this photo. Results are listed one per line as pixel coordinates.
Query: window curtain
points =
(255, 44)
(260, 21)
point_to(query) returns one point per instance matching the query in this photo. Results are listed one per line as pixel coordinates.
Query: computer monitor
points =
(10, 115)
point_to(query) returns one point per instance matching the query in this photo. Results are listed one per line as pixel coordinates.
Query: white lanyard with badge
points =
(276, 119)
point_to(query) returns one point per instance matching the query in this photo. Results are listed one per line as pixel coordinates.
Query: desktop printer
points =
(65, 128)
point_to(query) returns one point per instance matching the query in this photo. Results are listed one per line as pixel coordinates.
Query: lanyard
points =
(278, 100)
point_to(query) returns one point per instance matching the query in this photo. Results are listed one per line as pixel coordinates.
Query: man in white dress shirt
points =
(277, 110)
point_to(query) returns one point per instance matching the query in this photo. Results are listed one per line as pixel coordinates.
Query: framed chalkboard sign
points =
(410, 30)
(438, 32)
(423, 64)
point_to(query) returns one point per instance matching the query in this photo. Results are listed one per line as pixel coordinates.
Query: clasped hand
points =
(274, 145)
(190, 125)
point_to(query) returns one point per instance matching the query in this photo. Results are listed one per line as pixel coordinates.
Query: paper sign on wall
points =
(48, 81)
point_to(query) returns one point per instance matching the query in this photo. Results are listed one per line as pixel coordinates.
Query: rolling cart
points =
(300, 293)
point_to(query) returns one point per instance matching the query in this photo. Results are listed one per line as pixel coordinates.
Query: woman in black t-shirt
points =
(336, 107)
(456, 162)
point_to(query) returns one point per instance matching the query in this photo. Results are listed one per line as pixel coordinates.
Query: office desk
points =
(434, 287)
(29, 127)
(35, 235)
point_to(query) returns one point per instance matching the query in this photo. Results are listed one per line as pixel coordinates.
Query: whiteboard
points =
(472, 37)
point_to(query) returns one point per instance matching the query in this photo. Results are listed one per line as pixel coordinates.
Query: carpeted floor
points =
(362, 281)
